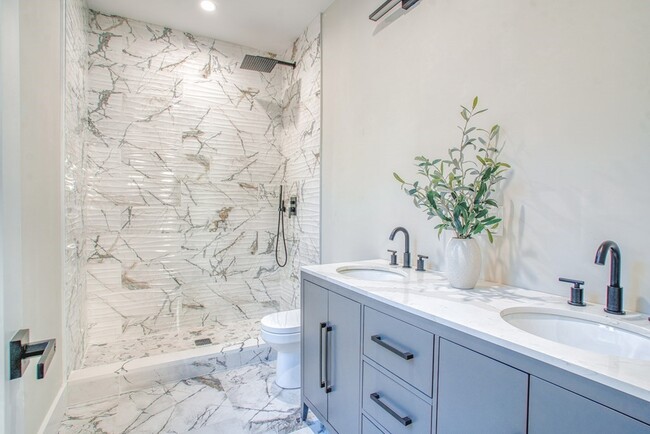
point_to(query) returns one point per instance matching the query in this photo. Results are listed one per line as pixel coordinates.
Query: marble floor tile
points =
(244, 400)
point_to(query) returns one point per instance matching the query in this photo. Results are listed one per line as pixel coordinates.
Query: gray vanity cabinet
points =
(331, 360)
(556, 410)
(372, 368)
(477, 394)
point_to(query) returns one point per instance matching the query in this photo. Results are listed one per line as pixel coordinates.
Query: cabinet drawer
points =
(392, 405)
(368, 427)
(403, 349)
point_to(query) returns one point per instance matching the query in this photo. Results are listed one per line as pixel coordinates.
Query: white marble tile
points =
(174, 159)
(242, 400)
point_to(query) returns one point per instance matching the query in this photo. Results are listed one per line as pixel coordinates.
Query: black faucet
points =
(614, 290)
(407, 252)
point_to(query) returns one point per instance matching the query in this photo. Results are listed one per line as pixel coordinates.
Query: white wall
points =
(568, 82)
(41, 194)
(11, 392)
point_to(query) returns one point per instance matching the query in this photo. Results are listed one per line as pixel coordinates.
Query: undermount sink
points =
(581, 330)
(378, 274)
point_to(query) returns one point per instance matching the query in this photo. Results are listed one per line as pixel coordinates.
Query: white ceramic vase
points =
(463, 258)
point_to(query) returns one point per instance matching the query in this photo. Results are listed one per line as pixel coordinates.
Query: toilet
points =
(281, 331)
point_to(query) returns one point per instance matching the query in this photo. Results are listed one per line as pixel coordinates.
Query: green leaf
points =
(432, 199)
(475, 102)
(398, 178)
(489, 234)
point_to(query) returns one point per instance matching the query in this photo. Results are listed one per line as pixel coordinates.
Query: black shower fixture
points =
(262, 64)
(390, 4)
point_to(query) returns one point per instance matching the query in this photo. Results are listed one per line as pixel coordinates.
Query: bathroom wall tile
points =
(75, 116)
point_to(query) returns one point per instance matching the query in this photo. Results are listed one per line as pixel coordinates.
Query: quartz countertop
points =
(477, 312)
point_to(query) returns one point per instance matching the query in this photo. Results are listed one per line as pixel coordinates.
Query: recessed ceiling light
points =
(208, 6)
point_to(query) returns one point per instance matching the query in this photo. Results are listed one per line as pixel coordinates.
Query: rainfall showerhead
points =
(262, 64)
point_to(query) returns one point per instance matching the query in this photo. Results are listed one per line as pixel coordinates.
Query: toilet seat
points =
(282, 323)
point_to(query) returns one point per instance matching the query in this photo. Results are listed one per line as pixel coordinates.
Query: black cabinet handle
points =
(328, 386)
(405, 420)
(323, 326)
(404, 355)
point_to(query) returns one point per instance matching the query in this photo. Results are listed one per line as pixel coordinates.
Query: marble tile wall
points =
(183, 160)
(75, 116)
(300, 145)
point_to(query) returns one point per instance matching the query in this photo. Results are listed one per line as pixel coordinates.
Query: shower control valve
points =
(293, 206)
(393, 256)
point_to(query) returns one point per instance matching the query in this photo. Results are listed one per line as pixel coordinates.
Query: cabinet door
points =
(344, 364)
(559, 411)
(477, 394)
(314, 313)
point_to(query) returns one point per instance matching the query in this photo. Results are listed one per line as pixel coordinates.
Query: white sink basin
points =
(581, 330)
(378, 274)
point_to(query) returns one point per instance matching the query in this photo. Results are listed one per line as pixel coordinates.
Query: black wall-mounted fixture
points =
(262, 64)
(293, 206)
(388, 5)
(20, 350)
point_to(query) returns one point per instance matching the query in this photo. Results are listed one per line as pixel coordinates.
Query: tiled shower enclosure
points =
(174, 160)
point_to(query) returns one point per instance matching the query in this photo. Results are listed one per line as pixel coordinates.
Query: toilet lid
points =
(282, 322)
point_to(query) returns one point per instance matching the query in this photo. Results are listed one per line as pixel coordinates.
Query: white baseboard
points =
(52, 421)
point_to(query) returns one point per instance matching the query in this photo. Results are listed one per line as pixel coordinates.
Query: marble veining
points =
(232, 334)
(242, 400)
(183, 157)
(75, 118)
(478, 313)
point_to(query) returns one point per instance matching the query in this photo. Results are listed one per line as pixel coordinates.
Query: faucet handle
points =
(577, 292)
(421, 259)
(393, 256)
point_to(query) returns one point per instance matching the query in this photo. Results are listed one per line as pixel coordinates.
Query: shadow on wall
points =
(636, 278)
(508, 254)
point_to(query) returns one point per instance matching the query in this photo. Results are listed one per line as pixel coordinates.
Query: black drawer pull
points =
(404, 355)
(406, 421)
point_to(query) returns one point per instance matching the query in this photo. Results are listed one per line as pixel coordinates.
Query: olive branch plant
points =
(458, 190)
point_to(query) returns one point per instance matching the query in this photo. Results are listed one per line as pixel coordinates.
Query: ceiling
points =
(268, 25)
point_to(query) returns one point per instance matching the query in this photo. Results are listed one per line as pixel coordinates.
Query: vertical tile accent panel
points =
(300, 144)
(75, 116)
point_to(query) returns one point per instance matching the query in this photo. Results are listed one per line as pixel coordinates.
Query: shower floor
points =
(240, 334)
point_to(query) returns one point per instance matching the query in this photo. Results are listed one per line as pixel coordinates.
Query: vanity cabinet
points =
(479, 394)
(331, 338)
(399, 347)
(553, 409)
(372, 367)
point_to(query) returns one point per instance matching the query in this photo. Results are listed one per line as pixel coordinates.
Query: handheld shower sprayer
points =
(281, 211)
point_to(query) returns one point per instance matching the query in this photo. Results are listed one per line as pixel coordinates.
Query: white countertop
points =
(477, 312)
